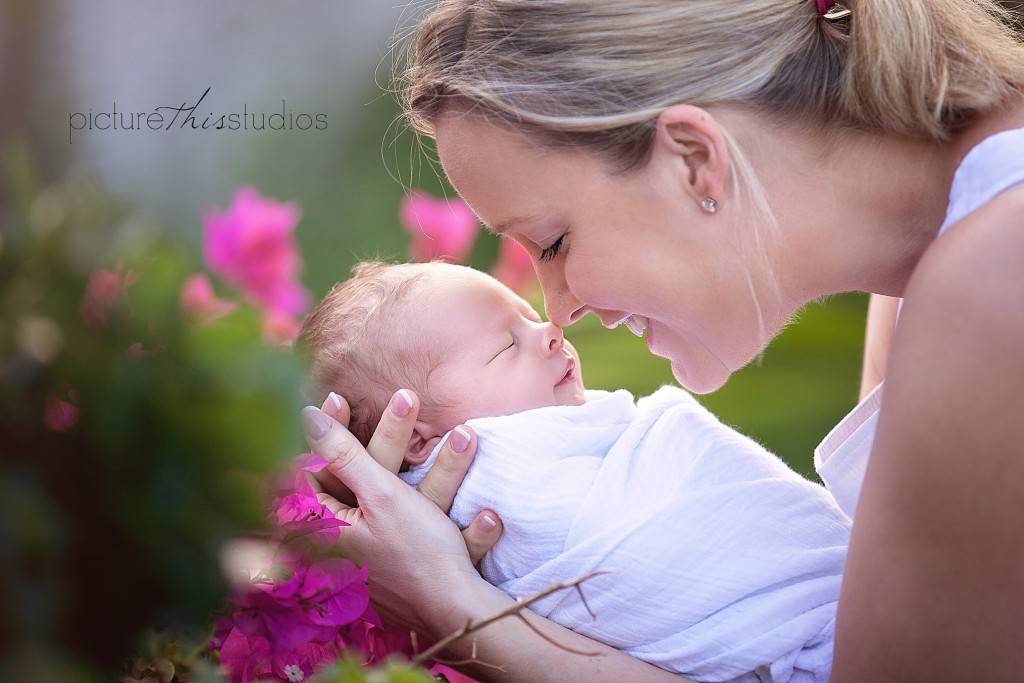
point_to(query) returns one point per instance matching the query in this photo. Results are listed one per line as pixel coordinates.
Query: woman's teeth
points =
(636, 324)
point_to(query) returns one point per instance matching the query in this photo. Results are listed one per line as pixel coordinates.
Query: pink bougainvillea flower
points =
(302, 662)
(198, 302)
(301, 514)
(103, 293)
(248, 659)
(311, 605)
(280, 328)
(298, 512)
(440, 228)
(338, 588)
(252, 247)
(59, 415)
(373, 643)
(310, 462)
(514, 267)
(245, 659)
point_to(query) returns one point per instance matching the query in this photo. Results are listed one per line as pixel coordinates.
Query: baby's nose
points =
(553, 337)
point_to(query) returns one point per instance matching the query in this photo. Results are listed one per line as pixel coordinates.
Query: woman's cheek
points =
(588, 283)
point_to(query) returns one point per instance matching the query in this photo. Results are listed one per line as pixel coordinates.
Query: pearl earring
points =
(709, 205)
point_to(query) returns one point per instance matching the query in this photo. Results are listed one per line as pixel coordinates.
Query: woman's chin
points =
(703, 381)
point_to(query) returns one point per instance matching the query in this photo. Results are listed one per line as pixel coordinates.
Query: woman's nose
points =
(561, 306)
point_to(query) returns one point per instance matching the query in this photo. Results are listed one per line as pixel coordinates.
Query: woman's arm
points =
(882, 312)
(421, 573)
(934, 582)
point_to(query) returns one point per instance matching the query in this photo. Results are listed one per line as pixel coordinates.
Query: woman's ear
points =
(694, 144)
(422, 442)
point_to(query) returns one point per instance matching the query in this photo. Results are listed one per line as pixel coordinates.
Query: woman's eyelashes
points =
(552, 251)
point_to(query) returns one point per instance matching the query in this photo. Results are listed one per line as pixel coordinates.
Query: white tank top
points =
(995, 165)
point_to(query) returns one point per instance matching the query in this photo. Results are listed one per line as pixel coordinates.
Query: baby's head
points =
(465, 343)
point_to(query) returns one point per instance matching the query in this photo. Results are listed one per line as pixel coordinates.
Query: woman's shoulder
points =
(976, 260)
(961, 327)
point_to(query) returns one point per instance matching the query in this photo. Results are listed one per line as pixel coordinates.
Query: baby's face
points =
(501, 358)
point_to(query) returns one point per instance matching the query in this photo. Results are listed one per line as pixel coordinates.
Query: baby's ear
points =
(422, 442)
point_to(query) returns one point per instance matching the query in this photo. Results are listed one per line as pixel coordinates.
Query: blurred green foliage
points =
(114, 524)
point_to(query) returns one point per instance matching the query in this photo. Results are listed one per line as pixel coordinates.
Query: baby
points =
(727, 563)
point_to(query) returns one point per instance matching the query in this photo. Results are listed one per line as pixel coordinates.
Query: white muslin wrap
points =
(728, 563)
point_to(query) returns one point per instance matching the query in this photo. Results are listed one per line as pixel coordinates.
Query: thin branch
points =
(517, 611)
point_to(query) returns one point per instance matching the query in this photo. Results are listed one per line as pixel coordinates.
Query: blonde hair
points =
(597, 73)
(354, 346)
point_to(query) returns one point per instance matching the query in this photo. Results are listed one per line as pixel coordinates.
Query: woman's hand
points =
(421, 568)
(417, 558)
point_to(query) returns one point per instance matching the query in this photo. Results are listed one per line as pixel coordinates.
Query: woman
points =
(702, 169)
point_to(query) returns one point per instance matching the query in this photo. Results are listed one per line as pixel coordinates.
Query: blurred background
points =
(65, 63)
(75, 196)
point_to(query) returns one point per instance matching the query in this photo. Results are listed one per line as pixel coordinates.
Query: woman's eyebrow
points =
(504, 226)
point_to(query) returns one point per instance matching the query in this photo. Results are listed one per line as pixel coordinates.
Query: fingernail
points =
(334, 400)
(488, 522)
(459, 439)
(401, 404)
(314, 423)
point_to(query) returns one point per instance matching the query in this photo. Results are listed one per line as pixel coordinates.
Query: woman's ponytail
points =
(922, 68)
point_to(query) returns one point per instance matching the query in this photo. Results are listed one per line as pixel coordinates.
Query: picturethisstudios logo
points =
(193, 117)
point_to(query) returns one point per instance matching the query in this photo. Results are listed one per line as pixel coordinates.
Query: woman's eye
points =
(552, 251)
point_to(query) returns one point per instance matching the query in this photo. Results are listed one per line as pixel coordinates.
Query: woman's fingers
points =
(346, 458)
(390, 440)
(338, 408)
(482, 534)
(445, 476)
(334, 406)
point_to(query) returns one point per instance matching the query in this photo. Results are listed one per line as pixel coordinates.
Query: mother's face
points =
(625, 247)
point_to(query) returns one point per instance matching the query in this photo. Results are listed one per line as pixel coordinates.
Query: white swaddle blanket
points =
(728, 562)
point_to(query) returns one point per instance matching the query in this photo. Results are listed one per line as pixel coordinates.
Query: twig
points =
(515, 610)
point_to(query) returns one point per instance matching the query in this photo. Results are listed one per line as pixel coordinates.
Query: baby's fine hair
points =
(354, 345)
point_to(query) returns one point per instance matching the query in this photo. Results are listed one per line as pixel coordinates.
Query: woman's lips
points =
(635, 323)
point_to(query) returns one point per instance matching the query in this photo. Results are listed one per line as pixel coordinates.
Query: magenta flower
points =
(297, 511)
(310, 462)
(280, 328)
(514, 267)
(372, 642)
(245, 659)
(302, 662)
(312, 605)
(301, 514)
(440, 228)
(103, 293)
(249, 659)
(59, 415)
(198, 302)
(252, 247)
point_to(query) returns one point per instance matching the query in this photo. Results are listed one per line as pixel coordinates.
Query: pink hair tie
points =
(824, 6)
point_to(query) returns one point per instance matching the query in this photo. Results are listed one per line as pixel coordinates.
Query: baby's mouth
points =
(570, 370)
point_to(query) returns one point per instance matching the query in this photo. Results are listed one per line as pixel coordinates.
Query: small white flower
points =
(294, 673)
